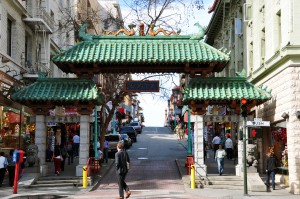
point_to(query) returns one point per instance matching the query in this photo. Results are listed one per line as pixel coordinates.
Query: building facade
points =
(273, 60)
(33, 31)
(262, 38)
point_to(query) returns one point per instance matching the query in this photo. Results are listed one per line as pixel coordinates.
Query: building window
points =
(278, 22)
(9, 36)
(262, 47)
(251, 57)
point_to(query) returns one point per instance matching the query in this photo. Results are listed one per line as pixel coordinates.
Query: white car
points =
(137, 126)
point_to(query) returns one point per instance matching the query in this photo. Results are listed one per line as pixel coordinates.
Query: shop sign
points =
(63, 119)
(51, 123)
(217, 118)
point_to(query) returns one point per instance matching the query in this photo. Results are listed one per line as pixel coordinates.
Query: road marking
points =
(142, 148)
(142, 158)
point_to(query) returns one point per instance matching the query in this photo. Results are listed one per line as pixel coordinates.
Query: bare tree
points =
(169, 14)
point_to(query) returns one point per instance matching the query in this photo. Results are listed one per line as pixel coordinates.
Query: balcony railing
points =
(41, 13)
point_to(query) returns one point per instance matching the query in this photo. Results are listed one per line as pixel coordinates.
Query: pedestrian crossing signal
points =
(244, 111)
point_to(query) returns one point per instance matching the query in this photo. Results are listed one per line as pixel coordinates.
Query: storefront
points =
(17, 131)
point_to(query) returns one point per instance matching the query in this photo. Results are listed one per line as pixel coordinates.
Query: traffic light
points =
(244, 112)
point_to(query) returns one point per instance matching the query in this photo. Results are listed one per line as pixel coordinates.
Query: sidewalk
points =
(281, 192)
(31, 174)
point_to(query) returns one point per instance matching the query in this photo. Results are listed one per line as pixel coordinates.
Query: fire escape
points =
(42, 24)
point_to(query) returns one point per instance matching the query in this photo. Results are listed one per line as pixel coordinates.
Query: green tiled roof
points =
(141, 49)
(59, 90)
(223, 88)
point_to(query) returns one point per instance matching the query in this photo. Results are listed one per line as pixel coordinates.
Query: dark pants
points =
(2, 174)
(122, 184)
(70, 158)
(105, 154)
(229, 153)
(62, 164)
(76, 149)
(11, 175)
(272, 175)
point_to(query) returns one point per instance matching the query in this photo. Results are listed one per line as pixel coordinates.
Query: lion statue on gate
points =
(252, 155)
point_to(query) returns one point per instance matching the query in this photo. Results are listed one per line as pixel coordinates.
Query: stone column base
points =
(43, 170)
(238, 170)
(201, 170)
(79, 169)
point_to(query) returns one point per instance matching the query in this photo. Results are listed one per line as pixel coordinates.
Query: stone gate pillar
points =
(40, 141)
(293, 144)
(201, 168)
(84, 143)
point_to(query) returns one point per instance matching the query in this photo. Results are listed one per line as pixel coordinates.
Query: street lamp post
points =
(189, 156)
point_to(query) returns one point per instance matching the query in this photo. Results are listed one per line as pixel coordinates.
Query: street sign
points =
(142, 86)
(258, 123)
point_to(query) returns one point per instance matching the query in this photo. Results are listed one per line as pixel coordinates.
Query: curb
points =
(99, 179)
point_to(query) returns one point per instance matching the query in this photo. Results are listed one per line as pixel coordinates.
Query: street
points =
(153, 173)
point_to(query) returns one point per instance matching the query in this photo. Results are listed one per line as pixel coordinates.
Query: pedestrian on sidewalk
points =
(216, 142)
(271, 168)
(220, 154)
(76, 142)
(178, 130)
(57, 160)
(105, 151)
(3, 164)
(70, 152)
(121, 160)
(64, 154)
(229, 147)
(11, 165)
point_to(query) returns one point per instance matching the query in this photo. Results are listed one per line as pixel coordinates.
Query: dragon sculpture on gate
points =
(160, 30)
(131, 32)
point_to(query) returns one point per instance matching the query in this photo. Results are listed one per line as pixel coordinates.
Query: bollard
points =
(84, 177)
(193, 177)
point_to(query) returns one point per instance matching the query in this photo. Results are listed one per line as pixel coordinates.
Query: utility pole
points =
(244, 114)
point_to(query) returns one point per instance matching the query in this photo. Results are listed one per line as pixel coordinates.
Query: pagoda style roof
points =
(201, 92)
(59, 91)
(141, 54)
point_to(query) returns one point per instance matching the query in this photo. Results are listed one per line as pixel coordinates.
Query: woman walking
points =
(220, 154)
(57, 160)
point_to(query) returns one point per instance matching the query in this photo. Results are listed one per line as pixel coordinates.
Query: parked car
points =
(113, 140)
(127, 140)
(137, 126)
(130, 131)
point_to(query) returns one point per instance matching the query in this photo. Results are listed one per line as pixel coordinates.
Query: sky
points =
(154, 107)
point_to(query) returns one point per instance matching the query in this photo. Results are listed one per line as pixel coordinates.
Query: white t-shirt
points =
(220, 153)
(2, 161)
(228, 143)
(216, 140)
